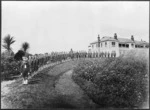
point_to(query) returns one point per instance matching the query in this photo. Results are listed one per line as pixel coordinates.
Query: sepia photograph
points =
(75, 54)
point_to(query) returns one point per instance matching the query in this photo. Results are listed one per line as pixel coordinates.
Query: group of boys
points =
(31, 64)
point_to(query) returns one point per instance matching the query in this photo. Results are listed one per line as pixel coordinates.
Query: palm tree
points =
(8, 41)
(25, 46)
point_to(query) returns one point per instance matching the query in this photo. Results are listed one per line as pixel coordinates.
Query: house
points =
(114, 45)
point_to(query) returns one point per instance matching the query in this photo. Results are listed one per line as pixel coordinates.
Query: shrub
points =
(9, 67)
(87, 69)
(18, 55)
(120, 82)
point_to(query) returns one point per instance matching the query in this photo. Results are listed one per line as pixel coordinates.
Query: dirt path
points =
(4, 91)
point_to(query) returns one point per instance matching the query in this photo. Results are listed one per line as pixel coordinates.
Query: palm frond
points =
(5, 47)
(12, 42)
(8, 40)
(25, 46)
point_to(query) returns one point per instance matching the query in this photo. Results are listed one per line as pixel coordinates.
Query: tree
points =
(25, 47)
(8, 41)
(19, 54)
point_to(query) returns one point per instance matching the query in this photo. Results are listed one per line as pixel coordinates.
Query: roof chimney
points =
(98, 37)
(98, 40)
(132, 38)
(115, 36)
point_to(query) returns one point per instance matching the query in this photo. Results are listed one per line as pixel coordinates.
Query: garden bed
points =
(119, 82)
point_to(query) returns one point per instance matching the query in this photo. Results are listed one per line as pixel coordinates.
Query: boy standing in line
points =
(25, 69)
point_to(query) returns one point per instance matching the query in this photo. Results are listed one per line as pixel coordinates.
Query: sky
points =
(61, 25)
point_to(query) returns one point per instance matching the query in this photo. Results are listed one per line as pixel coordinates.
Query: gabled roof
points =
(94, 42)
(125, 40)
(141, 43)
(105, 38)
(120, 40)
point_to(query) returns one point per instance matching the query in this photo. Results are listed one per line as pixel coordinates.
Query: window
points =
(101, 44)
(124, 45)
(127, 45)
(147, 46)
(136, 46)
(105, 44)
(141, 46)
(132, 45)
(120, 45)
(92, 46)
(113, 44)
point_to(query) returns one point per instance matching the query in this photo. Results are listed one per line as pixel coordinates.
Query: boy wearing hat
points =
(25, 69)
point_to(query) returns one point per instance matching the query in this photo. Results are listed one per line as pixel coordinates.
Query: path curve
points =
(77, 98)
(41, 92)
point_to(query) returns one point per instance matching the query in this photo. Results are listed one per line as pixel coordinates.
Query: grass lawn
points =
(41, 91)
(71, 93)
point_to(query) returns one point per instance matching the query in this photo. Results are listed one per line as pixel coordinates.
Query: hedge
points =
(119, 82)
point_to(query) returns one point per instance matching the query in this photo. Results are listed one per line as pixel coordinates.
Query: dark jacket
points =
(25, 70)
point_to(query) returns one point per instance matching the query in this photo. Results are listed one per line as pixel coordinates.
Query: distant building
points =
(115, 45)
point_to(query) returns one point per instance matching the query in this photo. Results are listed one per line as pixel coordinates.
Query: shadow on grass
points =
(40, 93)
(60, 101)
(35, 81)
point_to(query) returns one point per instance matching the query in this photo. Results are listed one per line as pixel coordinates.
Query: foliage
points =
(87, 69)
(25, 46)
(39, 92)
(120, 82)
(8, 40)
(18, 55)
(9, 67)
